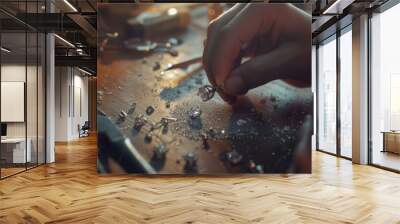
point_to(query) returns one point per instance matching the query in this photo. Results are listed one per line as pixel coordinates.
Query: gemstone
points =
(206, 92)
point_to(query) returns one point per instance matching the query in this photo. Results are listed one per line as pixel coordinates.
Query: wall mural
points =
(194, 88)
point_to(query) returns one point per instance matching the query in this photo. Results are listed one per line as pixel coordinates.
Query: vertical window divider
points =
(369, 73)
(60, 88)
(26, 86)
(45, 91)
(73, 91)
(69, 92)
(338, 100)
(317, 96)
(37, 90)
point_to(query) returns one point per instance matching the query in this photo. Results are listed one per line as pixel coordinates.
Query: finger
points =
(250, 22)
(292, 63)
(205, 62)
(212, 31)
(231, 99)
(227, 98)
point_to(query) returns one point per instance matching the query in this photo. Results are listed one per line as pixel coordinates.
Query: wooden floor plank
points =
(71, 191)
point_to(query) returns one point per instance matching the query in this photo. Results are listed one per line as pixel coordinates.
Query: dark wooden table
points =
(391, 141)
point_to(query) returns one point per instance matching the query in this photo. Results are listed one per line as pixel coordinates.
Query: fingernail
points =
(234, 85)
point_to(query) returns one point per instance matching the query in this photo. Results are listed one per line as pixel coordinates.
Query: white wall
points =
(16, 73)
(81, 89)
(33, 126)
(10, 73)
(62, 81)
(70, 84)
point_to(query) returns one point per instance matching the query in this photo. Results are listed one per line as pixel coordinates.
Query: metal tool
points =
(153, 24)
(113, 145)
(184, 64)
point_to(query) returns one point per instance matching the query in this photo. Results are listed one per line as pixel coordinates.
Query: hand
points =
(275, 37)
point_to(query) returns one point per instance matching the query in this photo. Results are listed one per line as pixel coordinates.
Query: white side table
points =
(18, 148)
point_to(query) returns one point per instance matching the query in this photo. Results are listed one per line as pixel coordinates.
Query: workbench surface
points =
(262, 126)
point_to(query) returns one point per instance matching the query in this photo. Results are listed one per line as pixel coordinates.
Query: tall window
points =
(385, 88)
(346, 93)
(327, 96)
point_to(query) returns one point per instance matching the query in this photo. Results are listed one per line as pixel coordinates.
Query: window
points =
(346, 93)
(385, 88)
(22, 75)
(327, 96)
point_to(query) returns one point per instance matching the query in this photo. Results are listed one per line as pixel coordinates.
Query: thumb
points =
(286, 61)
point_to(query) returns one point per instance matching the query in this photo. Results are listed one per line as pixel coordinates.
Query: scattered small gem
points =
(149, 110)
(234, 157)
(259, 169)
(166, 120)
(140, 120)
(241, 122)
(122, 115)
(252, 165)
(191, 161)
(174, 41)
(144, 46)
(206, 92)
(112, 35)
(195, 113)
(173, 52)
(212, 132)
(132, 108)
(156, 66)
(160, 152)
(204, 138)
(157, 125)
(149, 136)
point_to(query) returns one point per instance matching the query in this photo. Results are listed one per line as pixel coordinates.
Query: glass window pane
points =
(385, 90)
(346, 94)
(13, 86)
(23, 82)
(327, 96)
(41, 98)
(31, 97)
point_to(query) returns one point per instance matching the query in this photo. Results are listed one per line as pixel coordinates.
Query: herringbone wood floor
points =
(70, 191)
